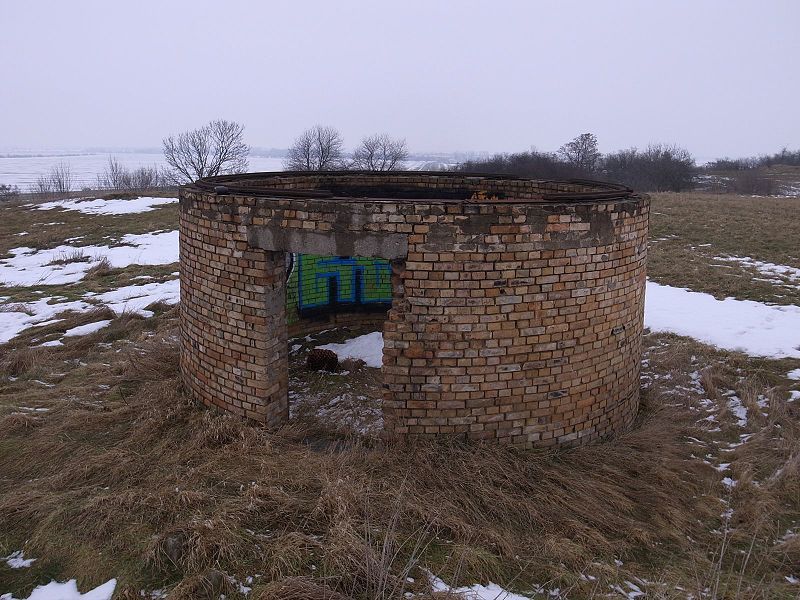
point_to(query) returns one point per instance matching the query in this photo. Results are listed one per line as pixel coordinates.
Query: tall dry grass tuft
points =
(297, 588)
(100, 268)
(15, 362)
(155, 360)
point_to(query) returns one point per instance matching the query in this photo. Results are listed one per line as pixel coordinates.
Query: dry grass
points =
(100, 268)
(687, 230)
(49, 228)
(14, 363)
(71, 256)
(141, 484)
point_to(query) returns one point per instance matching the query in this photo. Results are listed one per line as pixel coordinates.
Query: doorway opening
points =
(337, 303)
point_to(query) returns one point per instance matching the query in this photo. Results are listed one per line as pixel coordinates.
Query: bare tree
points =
(214, 149)
(117, 177)
(380, 153)
(581, 153)
(58, 181)
(113, 176)
(317, 149)
(61, 178)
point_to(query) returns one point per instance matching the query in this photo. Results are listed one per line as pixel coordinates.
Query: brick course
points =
(517, 315)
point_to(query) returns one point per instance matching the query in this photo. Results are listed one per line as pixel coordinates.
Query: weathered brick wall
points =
(517, 320)
(233, 316)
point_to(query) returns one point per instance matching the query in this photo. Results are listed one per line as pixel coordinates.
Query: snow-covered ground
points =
(132, 298)
(68, 264)
(86, 329)
(17, 560)
(746, 326)
(18, 317)
(68, 591)
(774, 274)
(491, 591)
(111, 206)
(368, 348)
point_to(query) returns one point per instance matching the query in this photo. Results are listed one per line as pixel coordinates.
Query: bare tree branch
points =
(317, 149)
(380, 153)
(215, 149)
(581, 153)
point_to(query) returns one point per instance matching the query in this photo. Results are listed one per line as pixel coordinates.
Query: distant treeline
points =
(656, 168)
(784, 157)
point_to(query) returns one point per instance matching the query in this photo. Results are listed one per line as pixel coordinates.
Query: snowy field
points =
(23, 171)
(102, 206)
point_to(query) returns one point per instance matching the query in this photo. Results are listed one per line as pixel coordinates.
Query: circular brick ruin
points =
(516, 311)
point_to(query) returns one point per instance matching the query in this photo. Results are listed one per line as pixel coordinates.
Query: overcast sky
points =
(718, 77)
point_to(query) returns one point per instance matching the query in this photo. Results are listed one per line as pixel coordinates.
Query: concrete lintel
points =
(349, 243)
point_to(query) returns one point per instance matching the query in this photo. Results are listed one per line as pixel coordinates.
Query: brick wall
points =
(233, 316)
(517, 320)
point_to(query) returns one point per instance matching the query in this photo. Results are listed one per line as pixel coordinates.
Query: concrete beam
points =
(349, 243)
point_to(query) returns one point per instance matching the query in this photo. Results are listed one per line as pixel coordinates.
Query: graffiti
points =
(330, 283)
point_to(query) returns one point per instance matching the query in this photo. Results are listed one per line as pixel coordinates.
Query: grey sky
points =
(718, 77)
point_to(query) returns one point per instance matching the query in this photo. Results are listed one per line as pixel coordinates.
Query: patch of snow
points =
(52, 343)
(49, 322)
(29, 266)
(111, 206)
(738, 409)
(41, 311)
(631, 593)
(17, 560)
(131, 298)
(134, 298)
(794, 395)
(368, 348)
(86, 329)
(68, 591)
(794, 375)
(477, 591)
(778, 274)
(742, 325)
